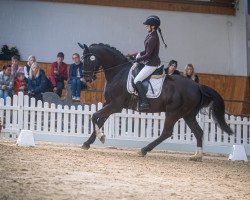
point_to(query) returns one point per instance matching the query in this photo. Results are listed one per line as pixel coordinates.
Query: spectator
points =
(37, 82)
(58, 74)
(171, 69)
(76, 77)
(20, 84)
(15, 67)
(6, 82)
(189, 73)
(31, 60)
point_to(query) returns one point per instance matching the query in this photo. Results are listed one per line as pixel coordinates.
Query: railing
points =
(128, 128)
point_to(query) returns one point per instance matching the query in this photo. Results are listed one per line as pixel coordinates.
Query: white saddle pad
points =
(155, 82)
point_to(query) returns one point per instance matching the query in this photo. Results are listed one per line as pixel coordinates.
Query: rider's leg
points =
(144, 73)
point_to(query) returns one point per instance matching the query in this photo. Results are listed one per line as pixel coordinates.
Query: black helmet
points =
(153, 21)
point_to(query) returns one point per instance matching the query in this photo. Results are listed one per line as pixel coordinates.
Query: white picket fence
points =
(128, 128)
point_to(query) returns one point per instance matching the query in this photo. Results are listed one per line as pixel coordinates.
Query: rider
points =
(149, 57)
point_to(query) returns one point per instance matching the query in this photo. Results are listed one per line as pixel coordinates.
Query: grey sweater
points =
(6, 80)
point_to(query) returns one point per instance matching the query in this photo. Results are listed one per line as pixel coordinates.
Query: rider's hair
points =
(159, 30)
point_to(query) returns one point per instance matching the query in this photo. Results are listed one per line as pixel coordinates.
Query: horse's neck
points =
(111, 74)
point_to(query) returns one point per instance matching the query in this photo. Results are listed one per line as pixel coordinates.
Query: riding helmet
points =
(153, 21)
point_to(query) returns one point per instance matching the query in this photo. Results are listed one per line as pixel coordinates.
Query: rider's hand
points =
(55, 89)
(138, 56)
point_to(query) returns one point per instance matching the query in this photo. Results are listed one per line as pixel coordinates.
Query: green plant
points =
(6, 52)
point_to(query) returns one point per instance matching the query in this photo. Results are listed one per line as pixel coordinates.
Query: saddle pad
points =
(155, 82)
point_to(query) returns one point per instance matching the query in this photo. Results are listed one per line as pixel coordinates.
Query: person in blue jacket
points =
(76, 79)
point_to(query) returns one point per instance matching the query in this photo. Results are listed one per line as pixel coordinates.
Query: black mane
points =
(112, 49)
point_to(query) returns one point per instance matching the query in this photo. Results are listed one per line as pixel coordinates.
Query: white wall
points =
(213, 43)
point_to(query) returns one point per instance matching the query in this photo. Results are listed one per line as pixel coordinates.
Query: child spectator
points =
(37, 82)
(76, 77)
(189, 73)
(31, 60)
(15, 66)
(58, 74)
(6, 82)
(20, 84)
(171, 69)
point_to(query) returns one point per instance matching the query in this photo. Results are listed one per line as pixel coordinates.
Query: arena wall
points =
(215, 44)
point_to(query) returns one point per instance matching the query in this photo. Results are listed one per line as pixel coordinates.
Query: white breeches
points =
(144, 73)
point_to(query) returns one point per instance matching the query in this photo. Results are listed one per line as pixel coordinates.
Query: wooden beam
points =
(170, 5)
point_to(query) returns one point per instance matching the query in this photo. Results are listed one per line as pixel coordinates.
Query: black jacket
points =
(151, 53)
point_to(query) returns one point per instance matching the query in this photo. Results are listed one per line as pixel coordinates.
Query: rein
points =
(109, 68)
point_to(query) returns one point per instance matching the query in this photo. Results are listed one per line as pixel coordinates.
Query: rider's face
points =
(149, 28)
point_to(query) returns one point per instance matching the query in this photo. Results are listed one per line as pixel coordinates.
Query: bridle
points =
(94, 72)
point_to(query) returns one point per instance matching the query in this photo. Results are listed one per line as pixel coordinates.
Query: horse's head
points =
(91, 63)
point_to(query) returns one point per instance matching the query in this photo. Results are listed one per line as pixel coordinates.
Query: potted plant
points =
(6, 52)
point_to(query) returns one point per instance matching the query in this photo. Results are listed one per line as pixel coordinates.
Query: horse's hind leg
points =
(198, 133)
(166, 133)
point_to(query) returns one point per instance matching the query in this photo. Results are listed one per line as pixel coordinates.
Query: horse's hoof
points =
(85, 146)
(196, 158)
(102, 139)
(142, 153)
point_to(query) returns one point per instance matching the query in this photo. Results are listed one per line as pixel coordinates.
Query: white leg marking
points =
(98, 132)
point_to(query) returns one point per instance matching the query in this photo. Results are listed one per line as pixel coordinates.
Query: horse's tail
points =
(214, 100)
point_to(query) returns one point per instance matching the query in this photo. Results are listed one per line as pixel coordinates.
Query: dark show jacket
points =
(152, 47)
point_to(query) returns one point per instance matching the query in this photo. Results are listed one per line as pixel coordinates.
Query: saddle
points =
(158, 73)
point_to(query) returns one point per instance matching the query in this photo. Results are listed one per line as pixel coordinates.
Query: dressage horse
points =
(180, 97)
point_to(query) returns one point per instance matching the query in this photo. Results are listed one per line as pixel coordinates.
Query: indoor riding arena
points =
(71, 127)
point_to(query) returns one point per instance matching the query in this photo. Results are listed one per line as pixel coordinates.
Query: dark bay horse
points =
(180, 97)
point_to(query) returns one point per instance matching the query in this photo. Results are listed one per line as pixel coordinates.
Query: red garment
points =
(18, 84)
(63, 72)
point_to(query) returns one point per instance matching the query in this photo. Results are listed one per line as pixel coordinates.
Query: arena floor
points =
(52, 171)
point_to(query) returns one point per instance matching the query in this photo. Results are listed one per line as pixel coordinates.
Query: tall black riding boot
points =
(143, 102)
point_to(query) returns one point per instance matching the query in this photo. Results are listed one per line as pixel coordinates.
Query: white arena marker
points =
(238, 153)
(25, 138)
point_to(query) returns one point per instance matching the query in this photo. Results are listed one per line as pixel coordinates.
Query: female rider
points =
(149, 57)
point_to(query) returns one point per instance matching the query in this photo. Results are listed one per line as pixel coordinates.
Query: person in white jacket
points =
(31, 60)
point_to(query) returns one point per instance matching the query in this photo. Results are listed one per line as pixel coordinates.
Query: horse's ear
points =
(80, 45)
(84, 47)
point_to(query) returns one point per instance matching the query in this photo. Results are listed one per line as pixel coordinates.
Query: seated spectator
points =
(58, 74)
(6, 82)
(20, 84)
(15, 67)
(171, 69)
(31, 60)
(37, 82)
(189, 73)
(76, 77)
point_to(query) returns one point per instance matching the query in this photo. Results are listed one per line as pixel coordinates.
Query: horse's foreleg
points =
(98, 123)
(98, 119)
(166, 133)
(91, 140)
(198, 133)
